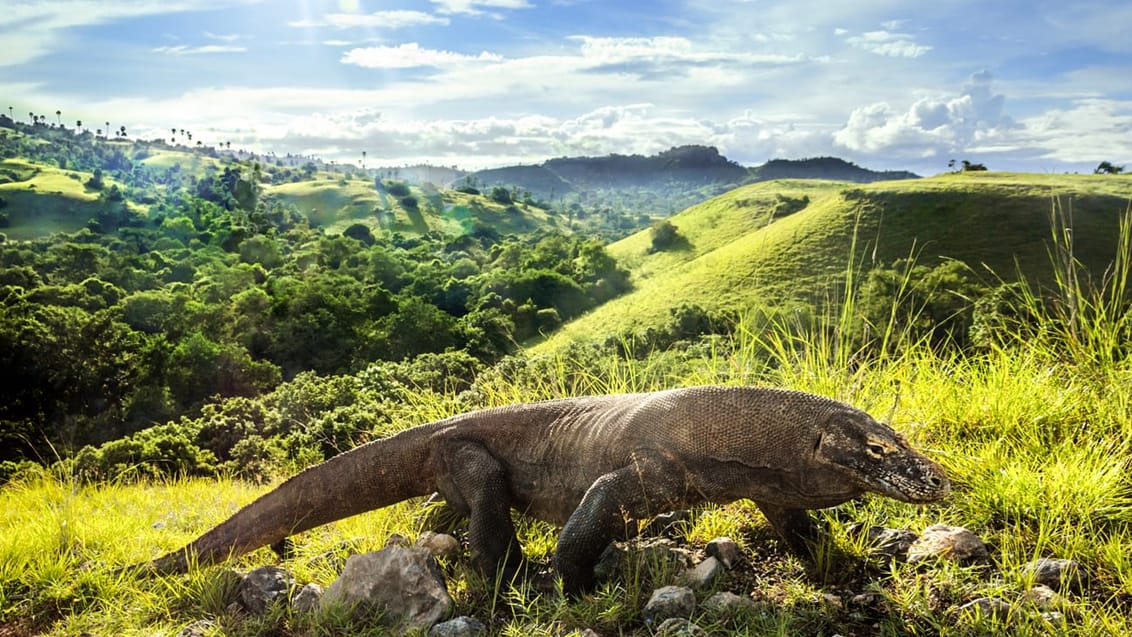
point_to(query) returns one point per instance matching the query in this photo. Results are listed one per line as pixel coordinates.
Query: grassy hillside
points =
(41, 199)
(335, 204)
(773, 241)
(1034, 443)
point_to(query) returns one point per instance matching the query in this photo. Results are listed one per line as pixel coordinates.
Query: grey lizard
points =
(591, 464)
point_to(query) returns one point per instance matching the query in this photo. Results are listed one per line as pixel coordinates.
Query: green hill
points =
(774, 241)
(337, 204)
(39, 199)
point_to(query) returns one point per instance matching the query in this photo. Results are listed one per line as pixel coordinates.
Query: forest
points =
(184, 287)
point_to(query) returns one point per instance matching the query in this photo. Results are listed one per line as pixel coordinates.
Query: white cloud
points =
(887, 43)
(394, 19)
(410, 55)
(31, 28)
(222, 37)
(182, 49)
(472, 7)
(1088, 131)
(931, 126)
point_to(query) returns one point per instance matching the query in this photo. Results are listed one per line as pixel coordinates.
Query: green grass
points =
(334, 206)
(1036, 435)
(44, 199)
(741, 254)
(1036, 439)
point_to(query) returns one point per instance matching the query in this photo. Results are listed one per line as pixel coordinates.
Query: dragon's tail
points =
(365, 478)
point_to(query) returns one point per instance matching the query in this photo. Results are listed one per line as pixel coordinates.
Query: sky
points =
(1028, 85)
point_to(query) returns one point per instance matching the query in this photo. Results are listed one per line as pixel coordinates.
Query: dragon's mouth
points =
(929, 487)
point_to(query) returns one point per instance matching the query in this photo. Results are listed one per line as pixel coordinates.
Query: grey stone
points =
(403, 583)
(725, 550)
(668, 602)
(704, 573)
(728, 603)
(884, 542)
(679, 627)
(609, 564)
(263, 587)
(953, 543)
(459, 627)
(307, 599)
(199, 628)
(985, 607)
(1058, 574)
(439, 544)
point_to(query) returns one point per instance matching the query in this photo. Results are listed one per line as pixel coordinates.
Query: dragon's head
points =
(879, 459)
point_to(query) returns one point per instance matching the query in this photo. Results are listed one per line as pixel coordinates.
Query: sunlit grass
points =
(1035, 435)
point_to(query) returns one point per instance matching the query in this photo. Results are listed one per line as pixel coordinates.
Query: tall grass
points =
(1035, 432)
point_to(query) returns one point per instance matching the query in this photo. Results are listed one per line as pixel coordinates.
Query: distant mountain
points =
(831, 168)
(684, 167)
(421, 174)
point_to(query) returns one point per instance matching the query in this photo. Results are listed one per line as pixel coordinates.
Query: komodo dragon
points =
(592, 463)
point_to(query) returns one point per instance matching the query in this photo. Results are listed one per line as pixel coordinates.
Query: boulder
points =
(405, 584)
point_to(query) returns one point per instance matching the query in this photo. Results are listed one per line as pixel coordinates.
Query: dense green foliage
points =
(210, 288)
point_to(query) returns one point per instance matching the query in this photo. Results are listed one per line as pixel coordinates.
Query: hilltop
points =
(779, 241)
(62, 180)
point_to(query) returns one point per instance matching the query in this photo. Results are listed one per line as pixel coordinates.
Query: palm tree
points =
(78, 124)
(363, 160)
(10, 116)
(59, 117)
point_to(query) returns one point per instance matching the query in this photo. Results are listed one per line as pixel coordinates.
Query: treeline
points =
(221, 291)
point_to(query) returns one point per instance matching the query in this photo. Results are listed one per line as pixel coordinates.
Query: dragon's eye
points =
(875, 450)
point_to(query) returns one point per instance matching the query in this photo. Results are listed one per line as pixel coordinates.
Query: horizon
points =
(490, 83)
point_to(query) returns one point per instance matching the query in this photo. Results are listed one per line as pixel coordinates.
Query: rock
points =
(953, 543)
(834, 602)
(307, 599)
(728, 604)
(199, 628)
(609, 564)
(589, 632)
(403, 583)
(1054, 617)
(890, 543)
(1043, 597)
(1058, 574)
(664, 551)
(725, 550)
(439, 544)
(668, 602)
(679, 627)
(396, 539)
(985, 607)
(459, 627)
(704, 573)
(667, 524)
(263, 587)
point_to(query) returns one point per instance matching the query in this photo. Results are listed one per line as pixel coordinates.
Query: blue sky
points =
(1036, 86)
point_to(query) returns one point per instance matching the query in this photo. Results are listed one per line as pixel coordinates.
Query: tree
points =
(970, 167)
(1107, 168)
(665, 236)
(59, 117)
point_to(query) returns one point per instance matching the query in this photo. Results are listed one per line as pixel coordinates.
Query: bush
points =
(397, 188)
(666, 236)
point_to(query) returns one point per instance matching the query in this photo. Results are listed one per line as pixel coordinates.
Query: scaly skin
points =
(590, 464)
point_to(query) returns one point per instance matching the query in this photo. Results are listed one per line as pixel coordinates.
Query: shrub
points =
(666, 236)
